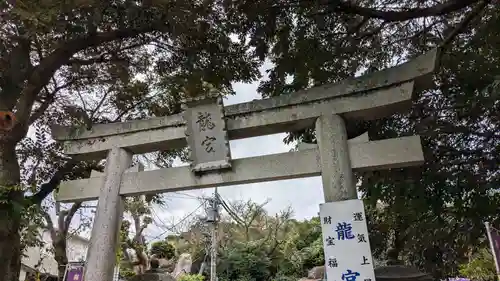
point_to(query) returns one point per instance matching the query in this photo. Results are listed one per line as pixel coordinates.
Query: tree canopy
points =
(79, 62)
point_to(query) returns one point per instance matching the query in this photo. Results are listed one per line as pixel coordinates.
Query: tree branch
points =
(132, 107)
(37, 113)
(50, 225)
(60, 220)
(125, 253)
(61, 56)
(138, 228)
(142, 229)
(52, 184)
(464, 23)
(105, 57)
(348, 7)
(101, 102)
(69, 217)
(91, 61)
(12, 77)
(67, 169)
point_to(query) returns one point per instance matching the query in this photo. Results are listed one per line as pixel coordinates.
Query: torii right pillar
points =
(337, 176)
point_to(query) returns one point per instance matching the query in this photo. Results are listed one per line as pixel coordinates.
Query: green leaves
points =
(244, 261)
(191, 277)
(481, 267)
(162, 249)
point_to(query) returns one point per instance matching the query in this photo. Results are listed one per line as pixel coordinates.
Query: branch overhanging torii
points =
(62, 54)
(438, 9)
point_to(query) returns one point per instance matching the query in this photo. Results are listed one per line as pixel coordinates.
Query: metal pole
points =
(65, 272)
(495, 259)
(213, 254)
(213, 249)
(203, 264)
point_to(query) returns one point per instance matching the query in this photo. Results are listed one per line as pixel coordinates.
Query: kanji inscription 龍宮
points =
(206, 134)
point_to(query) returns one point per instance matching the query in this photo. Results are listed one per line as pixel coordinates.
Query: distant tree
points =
(132, 233)
(191, 277)
(254, 245)
(162, 249)
(61, 232)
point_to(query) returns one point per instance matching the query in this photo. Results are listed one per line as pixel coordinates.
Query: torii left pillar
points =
(101, 257)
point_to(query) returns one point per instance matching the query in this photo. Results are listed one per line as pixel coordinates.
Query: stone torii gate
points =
(206, 126)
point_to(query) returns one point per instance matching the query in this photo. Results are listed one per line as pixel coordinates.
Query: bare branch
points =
(42, 73)
(69, 217)
(101, 102)
(53, 183)
(92, 61)
(466, 21)
(50, 225)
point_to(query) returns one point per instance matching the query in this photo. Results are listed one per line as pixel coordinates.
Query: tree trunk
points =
(11, 202)
(60, 255)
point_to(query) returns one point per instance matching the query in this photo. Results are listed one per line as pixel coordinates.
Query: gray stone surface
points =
(374, 155)
(338, 181)
(101, 255)
(363, 106)
(206, 135)
(317, 272)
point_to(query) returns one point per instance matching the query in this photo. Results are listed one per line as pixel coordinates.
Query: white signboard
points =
(348, 256)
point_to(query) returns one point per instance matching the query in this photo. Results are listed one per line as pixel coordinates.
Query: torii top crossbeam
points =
(368, 97)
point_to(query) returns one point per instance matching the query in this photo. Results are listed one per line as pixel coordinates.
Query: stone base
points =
(400, 273)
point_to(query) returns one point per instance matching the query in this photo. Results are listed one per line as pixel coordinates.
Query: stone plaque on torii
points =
(206, 134)
(328, 108)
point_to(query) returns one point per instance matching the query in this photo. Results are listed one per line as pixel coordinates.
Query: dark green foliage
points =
(191, 277)
(244, 260)
(162, 249)
(264, 247)
(437, 211)
(433, 215)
